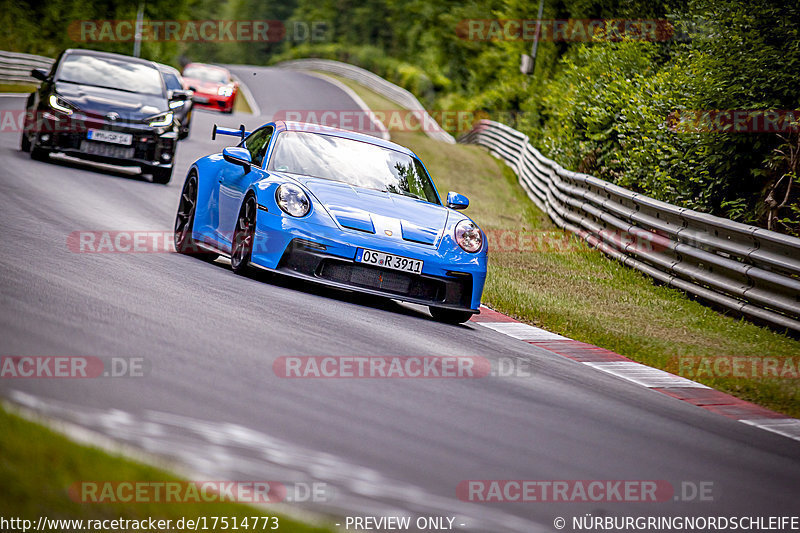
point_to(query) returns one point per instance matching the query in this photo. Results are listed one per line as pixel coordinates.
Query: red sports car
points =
(213, 86)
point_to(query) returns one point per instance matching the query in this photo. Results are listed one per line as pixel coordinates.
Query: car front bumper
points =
(151, 147)
(213, 101)
(452, 279)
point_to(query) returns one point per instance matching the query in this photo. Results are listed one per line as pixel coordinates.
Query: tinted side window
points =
(172, 82)
(257, 143)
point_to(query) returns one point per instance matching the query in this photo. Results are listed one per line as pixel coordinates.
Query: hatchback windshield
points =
(112, 73)
(357, 163)
(213, 75)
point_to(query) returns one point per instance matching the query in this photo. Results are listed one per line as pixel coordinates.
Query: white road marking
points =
(788, 427)
(521, 331)
(645, 375)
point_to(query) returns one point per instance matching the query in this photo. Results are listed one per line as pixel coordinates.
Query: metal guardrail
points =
(385, 88)
(750, 270)
(16, 68)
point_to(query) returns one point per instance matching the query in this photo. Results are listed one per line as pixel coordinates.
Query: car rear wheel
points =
(243, 236)
(450, 316)
(184, 222)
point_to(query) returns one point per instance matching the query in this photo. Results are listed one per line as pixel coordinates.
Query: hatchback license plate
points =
(110, 137)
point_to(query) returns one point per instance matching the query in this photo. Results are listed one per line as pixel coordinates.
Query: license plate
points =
(110, 137)
(395, 262)
(107, 150)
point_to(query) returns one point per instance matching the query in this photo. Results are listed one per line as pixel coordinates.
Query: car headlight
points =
(165, 119)
(225, 90)
(292, 200)
(59, 105)
(176, 104)
(468, 236)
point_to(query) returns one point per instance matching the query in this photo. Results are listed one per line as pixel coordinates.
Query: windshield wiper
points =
(406, 193)
(100, 86)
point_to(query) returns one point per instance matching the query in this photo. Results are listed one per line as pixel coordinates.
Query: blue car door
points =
(235, 179)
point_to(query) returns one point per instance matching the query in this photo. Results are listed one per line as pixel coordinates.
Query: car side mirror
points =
(39, 73)
(457, 201)
(238, 156)
(179, 96)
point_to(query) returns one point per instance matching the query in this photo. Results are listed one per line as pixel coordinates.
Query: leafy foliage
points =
(606, 108)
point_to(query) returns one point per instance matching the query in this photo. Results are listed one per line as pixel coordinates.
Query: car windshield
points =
(111, 73)
(214, 75)
(357, 163)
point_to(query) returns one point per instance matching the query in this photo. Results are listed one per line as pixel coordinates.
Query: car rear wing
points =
(241, 132)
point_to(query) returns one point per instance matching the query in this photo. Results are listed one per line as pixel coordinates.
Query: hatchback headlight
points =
(164, 119)
(292, 200)
(225, 90)
(60, 105)
(468, 236)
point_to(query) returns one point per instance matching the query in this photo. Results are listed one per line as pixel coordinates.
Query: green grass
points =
(580, 293)
(17, 87)
(241, 105)
(38, 466)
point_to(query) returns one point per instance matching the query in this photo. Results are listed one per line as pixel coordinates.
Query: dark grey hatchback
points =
(104, 107)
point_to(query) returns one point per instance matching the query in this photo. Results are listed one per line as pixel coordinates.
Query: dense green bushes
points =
(600, 107)
(605, 107)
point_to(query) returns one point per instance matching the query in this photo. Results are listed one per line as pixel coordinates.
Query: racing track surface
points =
(212, 402)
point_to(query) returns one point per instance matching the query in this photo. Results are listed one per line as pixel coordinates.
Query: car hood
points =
(382, 213)
(99, 101)
(203, 86)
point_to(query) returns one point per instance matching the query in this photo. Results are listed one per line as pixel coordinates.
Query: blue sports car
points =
(335, 207)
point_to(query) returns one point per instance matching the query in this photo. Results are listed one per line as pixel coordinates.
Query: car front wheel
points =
(38, 153)
(25, 143)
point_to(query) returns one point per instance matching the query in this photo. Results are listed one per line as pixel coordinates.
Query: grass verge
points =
(576, 291)
(241, 105)
(38, 466)
(17, 87)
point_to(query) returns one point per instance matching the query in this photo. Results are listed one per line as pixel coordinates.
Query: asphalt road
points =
(211, 401)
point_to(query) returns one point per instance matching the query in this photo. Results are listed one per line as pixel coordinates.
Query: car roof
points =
(110, 55)
(287, 125)
(166, 68)
(205, 65)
